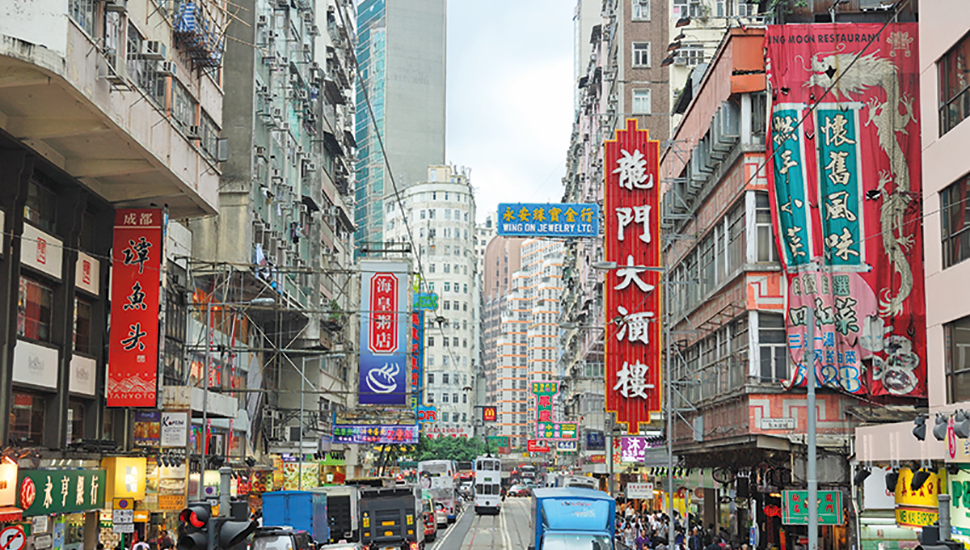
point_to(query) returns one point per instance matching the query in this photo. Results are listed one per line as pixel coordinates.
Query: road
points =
(509, 530)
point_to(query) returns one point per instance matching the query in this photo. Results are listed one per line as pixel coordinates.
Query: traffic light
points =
(229, 532)
(194, 526)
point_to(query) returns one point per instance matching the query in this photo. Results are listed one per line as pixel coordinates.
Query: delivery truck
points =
(301, 510)
(342, 512)
(572, 518)
(391, 518)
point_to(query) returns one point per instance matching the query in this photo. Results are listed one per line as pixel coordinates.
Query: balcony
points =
(69, 99)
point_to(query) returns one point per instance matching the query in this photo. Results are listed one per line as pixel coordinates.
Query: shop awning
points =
(10, 513)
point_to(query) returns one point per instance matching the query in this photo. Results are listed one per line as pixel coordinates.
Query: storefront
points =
(62, 505)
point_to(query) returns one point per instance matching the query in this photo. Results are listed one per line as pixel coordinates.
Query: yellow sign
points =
(171, 502)
(925, 496)
(125, 477)
(142, 516)
(8, 484)
(916, 517)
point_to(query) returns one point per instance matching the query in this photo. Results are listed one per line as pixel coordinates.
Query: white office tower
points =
(441, 216)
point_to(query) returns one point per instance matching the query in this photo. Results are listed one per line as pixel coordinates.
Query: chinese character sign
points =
(632, 237)
(384, 324)
(633, 449)
(136, 275)
(42, 492)
(373, 433)
(548, 220)
(845, 178)
(546, 428)
(417, 357)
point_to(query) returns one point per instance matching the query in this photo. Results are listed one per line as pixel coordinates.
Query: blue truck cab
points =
(573, 518)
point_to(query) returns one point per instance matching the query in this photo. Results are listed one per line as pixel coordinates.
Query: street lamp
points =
(266, 301)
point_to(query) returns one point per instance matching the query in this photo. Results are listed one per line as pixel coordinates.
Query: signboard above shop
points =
(548, 220)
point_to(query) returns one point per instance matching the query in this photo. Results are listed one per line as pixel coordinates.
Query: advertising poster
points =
(147, 428)
(546, 428)
(136, 262)
(845, 184)
(384, 324)
(632, 290)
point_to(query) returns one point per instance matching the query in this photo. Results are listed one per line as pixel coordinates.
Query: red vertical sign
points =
(136, 261)
(383, 317)
(632, 237)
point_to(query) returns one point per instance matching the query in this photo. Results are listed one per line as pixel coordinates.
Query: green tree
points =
(449, 448)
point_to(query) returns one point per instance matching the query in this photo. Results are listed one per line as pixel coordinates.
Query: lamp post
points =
(668, 398)
(257, 302)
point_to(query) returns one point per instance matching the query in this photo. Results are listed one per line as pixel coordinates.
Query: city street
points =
(510, 530)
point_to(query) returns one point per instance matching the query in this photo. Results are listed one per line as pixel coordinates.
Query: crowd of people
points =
(642, 530)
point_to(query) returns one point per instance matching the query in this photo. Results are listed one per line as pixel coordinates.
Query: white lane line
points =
(450, 529)
(506, 540)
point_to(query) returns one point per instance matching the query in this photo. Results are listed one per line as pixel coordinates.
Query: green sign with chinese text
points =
(545, 427)
(794, 510)
(41, 492)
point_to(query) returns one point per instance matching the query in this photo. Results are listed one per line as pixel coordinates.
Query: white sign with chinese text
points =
(175, 429)
(41, 251)
(777, 423)
(639, 490)
(87, 273)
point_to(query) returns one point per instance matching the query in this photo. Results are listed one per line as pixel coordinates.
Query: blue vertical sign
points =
(839, 184)
(791, 183)
(384, 324)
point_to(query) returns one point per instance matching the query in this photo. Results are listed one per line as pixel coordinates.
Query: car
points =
(278, 538)
(341, 546)
(441, 514)
(429, 519)
(519, 491)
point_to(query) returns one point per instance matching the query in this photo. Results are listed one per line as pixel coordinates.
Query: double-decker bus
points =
(438, 477)
(527, 473)
(488, 485)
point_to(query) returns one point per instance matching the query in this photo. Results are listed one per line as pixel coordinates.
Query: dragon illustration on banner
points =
(845, 151)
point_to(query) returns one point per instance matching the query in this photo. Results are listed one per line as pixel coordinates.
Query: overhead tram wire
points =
(387, 162)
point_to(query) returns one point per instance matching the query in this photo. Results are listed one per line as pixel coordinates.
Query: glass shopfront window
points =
(34, 310)
(27, 419)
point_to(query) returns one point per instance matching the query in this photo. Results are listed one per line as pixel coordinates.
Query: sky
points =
(510, 97)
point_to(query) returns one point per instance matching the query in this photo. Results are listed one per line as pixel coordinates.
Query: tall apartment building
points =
(401, 53)
(526, 343)
(502, 259)
(103, 106)
(944, 46)
(440, 213)
(286, 229)
(484, 232)
(622, 78)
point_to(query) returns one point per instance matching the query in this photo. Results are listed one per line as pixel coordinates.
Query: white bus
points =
(581, 481)
(488, 485)
(438, 477)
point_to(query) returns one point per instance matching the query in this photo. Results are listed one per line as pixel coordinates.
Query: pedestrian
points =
(641, 540)
(695, 542)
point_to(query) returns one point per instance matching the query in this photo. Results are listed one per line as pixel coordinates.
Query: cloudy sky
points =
(510, 97)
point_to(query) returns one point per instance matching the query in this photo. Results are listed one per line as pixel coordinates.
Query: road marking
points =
(450, 529)
(506, 540)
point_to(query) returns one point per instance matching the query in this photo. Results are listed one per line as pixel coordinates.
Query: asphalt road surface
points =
(509, 530)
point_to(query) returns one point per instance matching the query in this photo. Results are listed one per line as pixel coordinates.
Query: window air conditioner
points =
(153, 49)
(193, 132)
(167, 68)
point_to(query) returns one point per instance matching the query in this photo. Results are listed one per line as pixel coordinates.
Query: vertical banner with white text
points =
(384, 324)
(136, 263)
(633, 308)
(845, 182)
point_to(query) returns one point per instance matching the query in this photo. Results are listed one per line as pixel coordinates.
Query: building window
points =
(41, 206)
(27, 419)
(954, 84)
(773, 347)
(444, 378)
(641, 101)
(34, 310)
(183, 106)
(955, 203)
(209, 133)
(454, 398)
(444, 416)
(82, 12)
(82, 326)
(430, 397)
(430, 378)
(641, 54)
(690, 55)
(75, 421)
(430, 341)
(641, 10)
(957, 341)
(767, 251)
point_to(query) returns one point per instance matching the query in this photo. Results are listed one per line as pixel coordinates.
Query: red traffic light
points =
(197, 515)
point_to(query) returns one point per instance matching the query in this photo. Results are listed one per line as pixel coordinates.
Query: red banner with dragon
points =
(844, 173)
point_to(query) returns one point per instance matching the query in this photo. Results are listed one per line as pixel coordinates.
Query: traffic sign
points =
(12, 538)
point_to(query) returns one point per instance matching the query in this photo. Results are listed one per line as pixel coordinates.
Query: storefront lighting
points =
(961, 425)
(919, 478)
(919, 428)
(940, 428)
(861, 476)
(892, 478)
(776, 495)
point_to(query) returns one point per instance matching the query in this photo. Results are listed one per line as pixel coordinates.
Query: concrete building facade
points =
(440, 213)
(401, 53)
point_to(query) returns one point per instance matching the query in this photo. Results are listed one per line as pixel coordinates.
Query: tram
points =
(488, 485)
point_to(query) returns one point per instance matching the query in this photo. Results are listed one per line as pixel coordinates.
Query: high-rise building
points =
(440, 214)
(526, 347)
(502, 255)
(401, 53)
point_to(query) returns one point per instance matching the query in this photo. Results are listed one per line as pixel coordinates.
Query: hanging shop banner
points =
(536, 446)
(42, 492)
(383, 333)
(136, 261)
(633, 449)
(545, 391)
(417, 358)
(373, 433)
(917, 508)
(632, 237)
(548, 220)
(845, 180)
(126, 477)
(147, 428)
